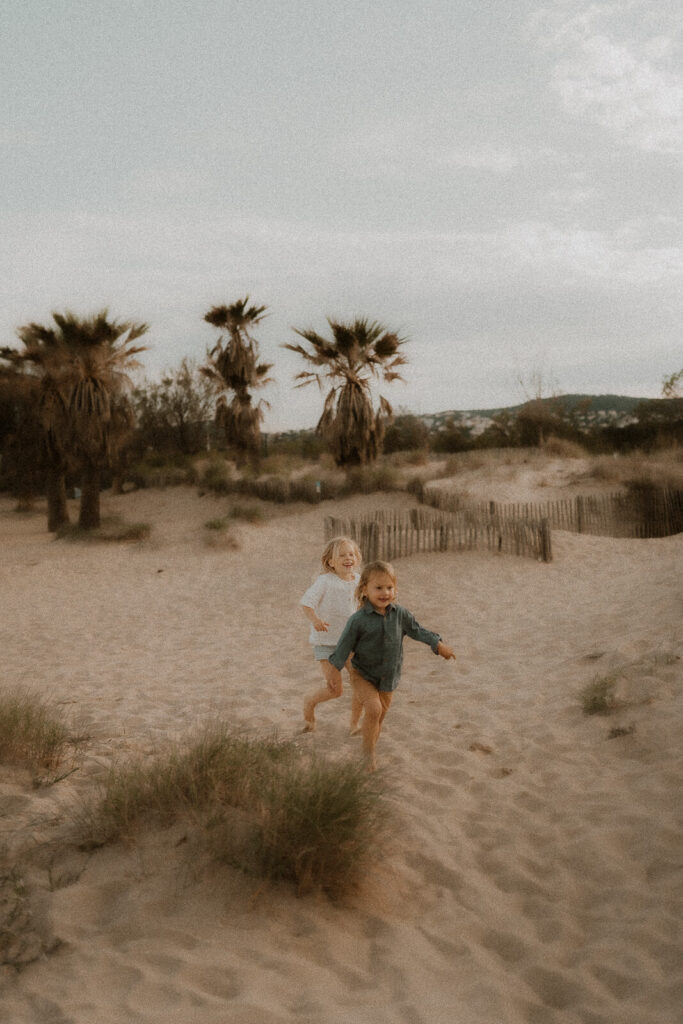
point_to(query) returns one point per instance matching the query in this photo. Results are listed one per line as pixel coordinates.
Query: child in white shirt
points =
(327, 604)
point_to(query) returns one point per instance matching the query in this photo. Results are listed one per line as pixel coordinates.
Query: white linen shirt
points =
(332, 599)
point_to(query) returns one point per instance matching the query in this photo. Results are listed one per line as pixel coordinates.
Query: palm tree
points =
(22, 455)
(33, 375)
(233, 366)
(360, 351)
(83, 365)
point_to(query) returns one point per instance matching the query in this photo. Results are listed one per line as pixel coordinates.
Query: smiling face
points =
(344, 562)
(380, 590)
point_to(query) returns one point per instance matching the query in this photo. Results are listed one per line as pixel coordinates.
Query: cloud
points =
(414, 148)
(611, 72)
(582, 255)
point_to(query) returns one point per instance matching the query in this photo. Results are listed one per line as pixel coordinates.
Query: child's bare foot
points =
(370, 763)
(355, 730)
(309, 715)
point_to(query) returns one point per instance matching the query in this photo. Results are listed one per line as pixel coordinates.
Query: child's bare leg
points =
(356, 712)
(356, 704)
(374, 706)
(332, 689)
(370, 730)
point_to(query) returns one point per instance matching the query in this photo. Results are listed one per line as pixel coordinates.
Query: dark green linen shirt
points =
(377, 643)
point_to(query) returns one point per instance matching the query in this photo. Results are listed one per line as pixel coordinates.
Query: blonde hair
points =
(368, 570)
(332, 549)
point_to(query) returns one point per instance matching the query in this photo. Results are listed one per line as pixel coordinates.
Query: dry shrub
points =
(562, 448)
(215, 477)
(158, 471)
(604, 468)
(281, 464)
(638, 469)
(367, 479)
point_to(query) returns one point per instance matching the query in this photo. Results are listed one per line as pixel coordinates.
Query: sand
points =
(533, 870)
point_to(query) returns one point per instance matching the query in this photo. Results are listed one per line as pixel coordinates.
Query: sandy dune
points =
(534, 872)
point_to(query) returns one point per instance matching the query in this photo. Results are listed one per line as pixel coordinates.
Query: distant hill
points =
(588, 411)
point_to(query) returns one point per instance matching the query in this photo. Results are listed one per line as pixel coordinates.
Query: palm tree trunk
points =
(89, 514)
(55, 489)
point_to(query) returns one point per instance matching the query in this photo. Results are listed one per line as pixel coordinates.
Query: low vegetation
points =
(661, 468)
(111, 529)
(598, 698)
(257, 804)
(159, 469)
(33, 733)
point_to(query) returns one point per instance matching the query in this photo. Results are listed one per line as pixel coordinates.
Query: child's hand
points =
(321, 626)
(445, 651)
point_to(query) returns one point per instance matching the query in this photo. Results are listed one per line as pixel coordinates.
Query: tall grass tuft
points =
(598, 698)
(255, 803)
(317, 827)
(32, 732)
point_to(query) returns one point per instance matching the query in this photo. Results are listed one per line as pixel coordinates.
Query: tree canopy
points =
(234, 368)
(359, 352)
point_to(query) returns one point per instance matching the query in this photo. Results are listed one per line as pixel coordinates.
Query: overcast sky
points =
(498, 180)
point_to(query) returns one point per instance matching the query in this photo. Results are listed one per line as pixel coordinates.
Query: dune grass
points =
(33, 734)
(598, 697)
(256, 803)
(659, 468)
(316, 826)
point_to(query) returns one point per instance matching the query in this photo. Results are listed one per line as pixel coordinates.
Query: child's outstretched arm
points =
(413, 629)
(318, 624)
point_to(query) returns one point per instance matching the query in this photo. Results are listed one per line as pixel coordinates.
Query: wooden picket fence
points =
(393, 534)
(523, 529)
(641, 512)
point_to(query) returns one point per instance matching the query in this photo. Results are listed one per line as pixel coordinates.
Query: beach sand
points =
(532, 874)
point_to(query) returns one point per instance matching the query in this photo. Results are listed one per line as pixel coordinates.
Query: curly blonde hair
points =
(373, 567)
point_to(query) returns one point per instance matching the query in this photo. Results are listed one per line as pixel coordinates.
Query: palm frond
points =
(84, 364)
(236, 317)
(360, 351)
(233, 366)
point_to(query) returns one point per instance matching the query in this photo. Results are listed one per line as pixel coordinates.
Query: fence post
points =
(579, 515)
(373, 542)
(546, 547)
